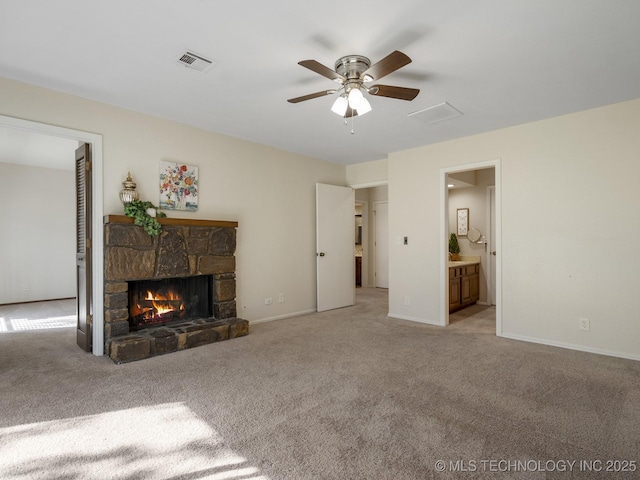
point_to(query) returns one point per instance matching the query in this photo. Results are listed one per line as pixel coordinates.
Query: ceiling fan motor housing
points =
(352, 66)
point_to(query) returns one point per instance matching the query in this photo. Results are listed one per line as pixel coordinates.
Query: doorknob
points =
(493, 253)
(321, 254)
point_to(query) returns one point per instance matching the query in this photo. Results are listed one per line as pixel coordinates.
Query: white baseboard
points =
(414, 319)
(572, 346)
(280, 317)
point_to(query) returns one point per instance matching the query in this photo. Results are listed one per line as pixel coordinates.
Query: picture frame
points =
(462, 221)
(178, 186)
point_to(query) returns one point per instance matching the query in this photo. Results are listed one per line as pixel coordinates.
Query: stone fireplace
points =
(170, 292)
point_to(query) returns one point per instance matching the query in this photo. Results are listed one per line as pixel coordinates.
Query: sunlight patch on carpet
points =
(153, 442)
(23, 324)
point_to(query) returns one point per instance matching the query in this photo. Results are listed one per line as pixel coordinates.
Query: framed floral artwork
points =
(178, 186)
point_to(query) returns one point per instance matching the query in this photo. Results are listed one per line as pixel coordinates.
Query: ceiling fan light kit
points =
(352, 72)
(363, 106)
(340, 105)
(355, 97)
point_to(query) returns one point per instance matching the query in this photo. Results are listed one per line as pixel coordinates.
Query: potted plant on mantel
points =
(454, 248)
(139, 211)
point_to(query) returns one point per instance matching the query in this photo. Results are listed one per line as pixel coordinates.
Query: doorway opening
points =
(95, 141)
(371, 249)
(470, 209)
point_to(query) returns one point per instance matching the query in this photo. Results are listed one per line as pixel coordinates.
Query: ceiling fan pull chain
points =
(353, 122)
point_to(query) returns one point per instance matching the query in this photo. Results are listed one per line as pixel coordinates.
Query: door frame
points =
(365, 241)
(444, 237)
(97, 258)
(370, 226)
(491, 288)
(375, 242)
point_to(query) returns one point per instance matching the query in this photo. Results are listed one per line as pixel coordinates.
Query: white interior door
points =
(382, 244)
(335, 241)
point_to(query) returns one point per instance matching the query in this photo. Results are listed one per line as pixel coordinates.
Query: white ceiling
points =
(500, 62)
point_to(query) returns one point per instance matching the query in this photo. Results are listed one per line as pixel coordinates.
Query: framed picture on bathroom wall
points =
(463, 221)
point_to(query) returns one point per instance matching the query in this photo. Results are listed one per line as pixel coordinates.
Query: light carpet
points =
(345, 394)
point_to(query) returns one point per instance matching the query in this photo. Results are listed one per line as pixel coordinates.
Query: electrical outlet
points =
(407, 300)
(281, 298)
(585, 324)
(268, 301)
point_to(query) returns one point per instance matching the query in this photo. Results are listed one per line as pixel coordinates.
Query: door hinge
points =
(88, 243)
(87, 165)
(90, 319)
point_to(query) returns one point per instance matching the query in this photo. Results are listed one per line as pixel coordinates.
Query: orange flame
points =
(160, 302)
(171, 295)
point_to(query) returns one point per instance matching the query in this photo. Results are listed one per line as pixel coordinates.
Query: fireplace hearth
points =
(170, 292)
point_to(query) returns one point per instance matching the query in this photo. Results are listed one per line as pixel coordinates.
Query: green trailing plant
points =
(137, 209)
(454, 248)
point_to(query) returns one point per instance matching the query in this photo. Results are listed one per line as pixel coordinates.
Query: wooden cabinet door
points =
(465, 289)
(454, 292)
(474, 287)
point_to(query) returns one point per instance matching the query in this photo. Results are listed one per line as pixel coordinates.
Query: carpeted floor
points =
(38, 315)
(345, 394)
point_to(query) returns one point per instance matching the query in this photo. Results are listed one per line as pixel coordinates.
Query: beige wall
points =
(270, 192)
(569, 221)
(367, 174)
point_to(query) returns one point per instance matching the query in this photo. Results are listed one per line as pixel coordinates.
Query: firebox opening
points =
(157, 302)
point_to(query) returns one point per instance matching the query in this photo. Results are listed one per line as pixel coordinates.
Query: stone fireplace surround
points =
(184, 248)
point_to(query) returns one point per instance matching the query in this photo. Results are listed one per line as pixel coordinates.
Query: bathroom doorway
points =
(468, 191)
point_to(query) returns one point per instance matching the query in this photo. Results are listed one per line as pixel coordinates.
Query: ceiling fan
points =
(353, 72)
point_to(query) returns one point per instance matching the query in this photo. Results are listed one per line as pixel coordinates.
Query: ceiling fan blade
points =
(401, 93)
(310, 96)
(321, 69)
(388, 64)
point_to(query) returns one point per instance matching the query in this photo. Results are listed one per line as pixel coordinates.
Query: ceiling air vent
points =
(437, 113)
(195, 61)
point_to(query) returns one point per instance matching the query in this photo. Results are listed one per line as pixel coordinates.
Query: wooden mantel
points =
(174, 221)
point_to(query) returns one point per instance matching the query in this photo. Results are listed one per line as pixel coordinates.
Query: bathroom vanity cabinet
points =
(464, 284)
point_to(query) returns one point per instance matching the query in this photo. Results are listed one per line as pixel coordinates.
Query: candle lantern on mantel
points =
(128, 193)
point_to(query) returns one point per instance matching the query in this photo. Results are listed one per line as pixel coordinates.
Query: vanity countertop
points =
(462, 263)
(471, 260)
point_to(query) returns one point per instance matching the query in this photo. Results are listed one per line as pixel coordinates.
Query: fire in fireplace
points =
(157, 302)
